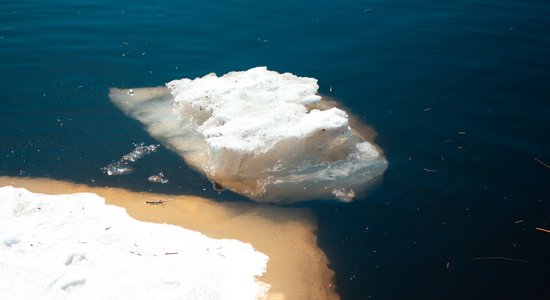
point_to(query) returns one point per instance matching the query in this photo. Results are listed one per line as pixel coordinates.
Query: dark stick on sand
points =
(155, 202)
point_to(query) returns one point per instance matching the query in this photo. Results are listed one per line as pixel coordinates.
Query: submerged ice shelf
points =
(76, 247)
(260, 133)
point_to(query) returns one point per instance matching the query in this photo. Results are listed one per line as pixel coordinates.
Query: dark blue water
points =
(459, 92)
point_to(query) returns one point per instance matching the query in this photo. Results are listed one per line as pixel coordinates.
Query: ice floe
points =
(260, 133)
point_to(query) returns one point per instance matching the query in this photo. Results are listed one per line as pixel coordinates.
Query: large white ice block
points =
(260, 133)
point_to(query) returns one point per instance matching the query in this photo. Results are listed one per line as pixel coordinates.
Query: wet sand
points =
(297, 268)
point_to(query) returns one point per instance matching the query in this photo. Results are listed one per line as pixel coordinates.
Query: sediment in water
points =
(297, 267)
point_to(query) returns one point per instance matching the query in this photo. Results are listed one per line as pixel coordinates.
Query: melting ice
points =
(122, 166)
(260, 133)
(159, 178)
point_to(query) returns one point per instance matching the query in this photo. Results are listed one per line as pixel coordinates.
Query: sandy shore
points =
(297, 268)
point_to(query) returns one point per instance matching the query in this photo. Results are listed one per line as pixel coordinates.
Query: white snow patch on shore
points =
(76, 247)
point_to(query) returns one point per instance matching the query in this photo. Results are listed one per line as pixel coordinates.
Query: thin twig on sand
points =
(156, 202)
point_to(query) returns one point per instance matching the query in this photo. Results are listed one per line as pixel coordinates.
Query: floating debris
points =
(130, 51)
(542, 229)
(541, 162)
(159, 178)
(507, 259)
(122, 166)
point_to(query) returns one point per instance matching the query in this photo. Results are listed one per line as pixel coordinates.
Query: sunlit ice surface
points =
(74, 246)
(266, 135)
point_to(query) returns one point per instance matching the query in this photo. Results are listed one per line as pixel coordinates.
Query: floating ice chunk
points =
(159, 178)
(260, 133)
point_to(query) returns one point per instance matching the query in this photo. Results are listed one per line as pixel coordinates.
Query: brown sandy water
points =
(297, 267)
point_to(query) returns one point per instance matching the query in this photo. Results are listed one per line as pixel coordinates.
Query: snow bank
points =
(76, 247)
(258, 133)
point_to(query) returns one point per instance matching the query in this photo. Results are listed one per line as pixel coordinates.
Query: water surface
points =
(457, 91)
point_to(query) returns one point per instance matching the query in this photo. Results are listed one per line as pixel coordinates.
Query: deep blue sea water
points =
(459, 92)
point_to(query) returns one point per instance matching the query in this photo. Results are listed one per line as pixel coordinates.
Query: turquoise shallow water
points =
(457, 90)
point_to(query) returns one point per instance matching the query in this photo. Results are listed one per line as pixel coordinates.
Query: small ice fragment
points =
(159, 178)
(117, 168)
(122, 166)
(140, 151)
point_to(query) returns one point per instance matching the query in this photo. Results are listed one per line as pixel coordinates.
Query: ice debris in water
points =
(260, 133)
(140, 151)
(159, 178)
(117, 168)
(343, 195)
(122, 166)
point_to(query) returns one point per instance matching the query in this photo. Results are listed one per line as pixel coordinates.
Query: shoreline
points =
(297, 267)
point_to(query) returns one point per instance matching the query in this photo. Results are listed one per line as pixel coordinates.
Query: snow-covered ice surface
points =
(259, 133)
(76, 247)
